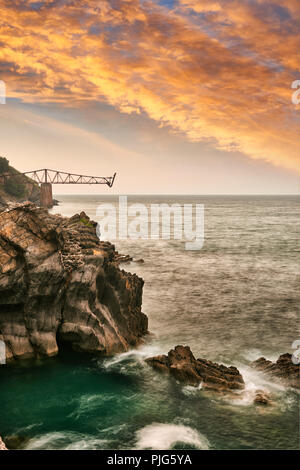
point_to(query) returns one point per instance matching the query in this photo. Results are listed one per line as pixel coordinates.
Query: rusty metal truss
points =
(60, 177)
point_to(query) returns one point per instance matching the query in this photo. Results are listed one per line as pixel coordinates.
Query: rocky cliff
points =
(59, 284)
(17, 188)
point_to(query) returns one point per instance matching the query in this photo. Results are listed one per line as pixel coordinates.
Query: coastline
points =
(129, 367)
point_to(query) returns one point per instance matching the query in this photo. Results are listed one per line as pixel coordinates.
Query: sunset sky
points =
(176, 96)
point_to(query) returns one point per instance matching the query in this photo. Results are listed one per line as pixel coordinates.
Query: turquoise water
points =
(233, 301)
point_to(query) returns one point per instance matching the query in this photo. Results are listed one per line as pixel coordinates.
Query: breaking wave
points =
(161, 436)
(66, 441)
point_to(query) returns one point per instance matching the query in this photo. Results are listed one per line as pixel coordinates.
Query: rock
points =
(181, 364)
(16, 441)
(59, 284)
(140, 261)
(283, 369)
(2, 445)
(261, 398)
(119, 258)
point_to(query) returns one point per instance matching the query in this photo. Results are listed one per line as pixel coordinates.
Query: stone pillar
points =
(46, 195)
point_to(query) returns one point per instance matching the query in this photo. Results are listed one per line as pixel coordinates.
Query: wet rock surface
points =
(262, 398)
(183, 366)
(283, 369)
(59, 284)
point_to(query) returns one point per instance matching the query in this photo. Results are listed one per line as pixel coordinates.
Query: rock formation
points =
(59, 284)
(181, 364)
(2, 445)
(283, 369)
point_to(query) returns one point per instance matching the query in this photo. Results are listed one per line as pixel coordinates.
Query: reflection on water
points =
(232, 301)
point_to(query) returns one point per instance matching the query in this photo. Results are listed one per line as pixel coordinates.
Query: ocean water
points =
(233, 301)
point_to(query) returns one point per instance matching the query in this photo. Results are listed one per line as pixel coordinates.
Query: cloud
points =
(216, 71)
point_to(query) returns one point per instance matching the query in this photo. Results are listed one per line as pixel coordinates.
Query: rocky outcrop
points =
(59, 284)
(123, 258)
(2, 445)
(283, 369)
(181, 364)
(262, 398)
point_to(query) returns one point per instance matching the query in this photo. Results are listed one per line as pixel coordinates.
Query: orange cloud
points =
(217, 71)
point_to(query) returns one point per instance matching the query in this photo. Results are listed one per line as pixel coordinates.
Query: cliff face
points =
(17, 188)
(59, 284)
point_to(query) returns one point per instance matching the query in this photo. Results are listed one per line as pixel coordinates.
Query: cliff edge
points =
(59, 284)
(18, 188)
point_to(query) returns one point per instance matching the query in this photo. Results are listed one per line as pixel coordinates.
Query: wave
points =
(160, 436)
(135, 355)
(191, 390)
(88, 403)
(254, 381)
(66, 441)
(253, 354)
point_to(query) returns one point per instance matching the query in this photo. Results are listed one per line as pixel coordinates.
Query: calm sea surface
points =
(233, 301)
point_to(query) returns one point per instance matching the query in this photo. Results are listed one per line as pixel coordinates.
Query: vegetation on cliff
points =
(17, 188)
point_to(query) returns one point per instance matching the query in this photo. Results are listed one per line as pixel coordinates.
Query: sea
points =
(232, 301)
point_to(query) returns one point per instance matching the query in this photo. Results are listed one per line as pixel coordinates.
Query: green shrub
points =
(86, 222)
(15, 187)
(4, 165)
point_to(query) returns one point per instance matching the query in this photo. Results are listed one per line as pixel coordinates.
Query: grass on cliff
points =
(86, 222)
(16, 186)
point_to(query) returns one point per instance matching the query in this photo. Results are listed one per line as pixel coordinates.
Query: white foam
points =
(190, 390)
(160, 436)
(135, 355)
(66, 441)
(88, 403)
(255, 380)
(254, 354)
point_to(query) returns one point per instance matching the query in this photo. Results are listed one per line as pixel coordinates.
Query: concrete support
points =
(46, 195)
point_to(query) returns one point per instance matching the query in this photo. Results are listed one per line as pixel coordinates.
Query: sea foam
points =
(66, 440)
(160, 436)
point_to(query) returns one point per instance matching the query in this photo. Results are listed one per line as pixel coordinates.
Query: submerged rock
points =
(16, 441)
(181, 364)
(283, 369)
(59, 284)
(262, 398)
(122, 258)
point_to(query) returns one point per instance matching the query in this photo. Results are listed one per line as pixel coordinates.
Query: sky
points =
(176, 96)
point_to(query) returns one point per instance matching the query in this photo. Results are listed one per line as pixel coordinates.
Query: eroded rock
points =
(59, 283)
(283, 369)
(181, 364)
